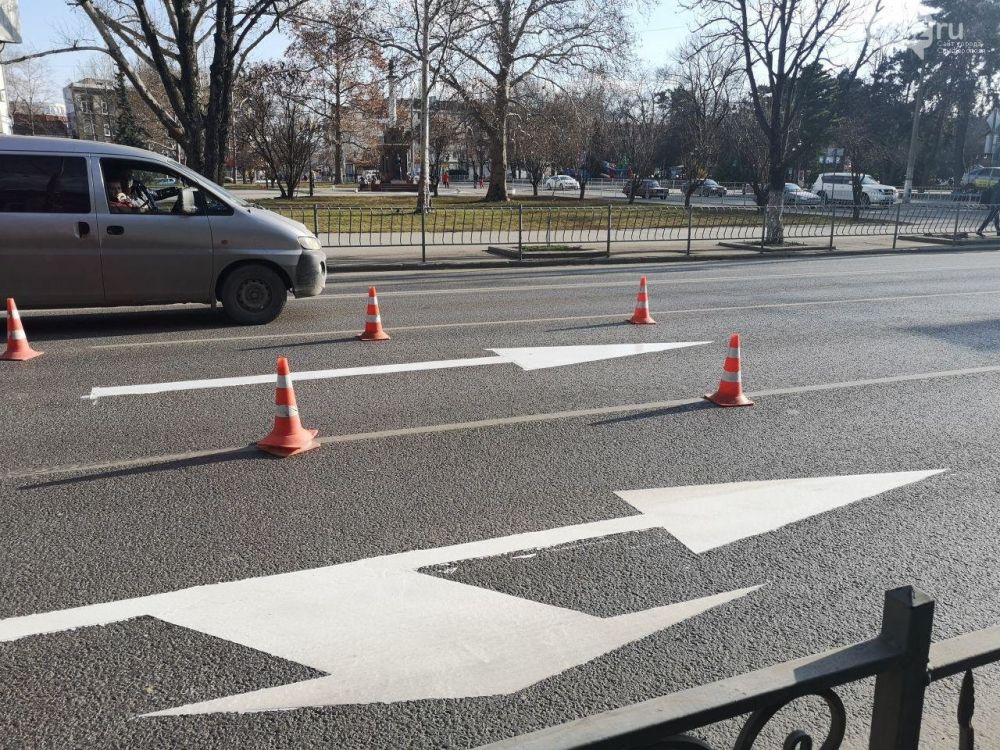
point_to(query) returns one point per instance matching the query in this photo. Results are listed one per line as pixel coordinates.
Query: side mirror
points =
(186, 203)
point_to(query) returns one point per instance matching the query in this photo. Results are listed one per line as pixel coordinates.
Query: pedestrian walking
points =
(445, 178)
(991, 197)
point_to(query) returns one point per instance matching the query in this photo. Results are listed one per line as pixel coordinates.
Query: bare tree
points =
(447, 127)
(283, 132)
(174, 38)
(590, 134)
(750, 147)
(864, 141)
(29, 90)
(511, 41)
(346, 69)
(533, 131)
(638, 119)
(707, 85)
(778, 40)
(424, 32)
(575, 125)
(476, 145)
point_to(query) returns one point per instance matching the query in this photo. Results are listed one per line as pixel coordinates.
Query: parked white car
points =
(561, 182)
(836, 186)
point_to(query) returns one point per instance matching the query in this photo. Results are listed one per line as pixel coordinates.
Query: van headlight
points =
(309, 243)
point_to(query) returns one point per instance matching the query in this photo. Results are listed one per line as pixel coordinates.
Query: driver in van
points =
(123, 194)
(119, 201)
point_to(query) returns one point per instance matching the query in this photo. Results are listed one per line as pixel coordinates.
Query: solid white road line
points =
(600, 411)
(527, 358)
(659, 281)
(561, 319)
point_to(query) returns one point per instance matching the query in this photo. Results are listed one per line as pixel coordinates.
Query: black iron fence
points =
(901, 658)
(674, 225)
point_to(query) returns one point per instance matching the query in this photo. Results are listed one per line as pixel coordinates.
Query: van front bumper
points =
(310, 274)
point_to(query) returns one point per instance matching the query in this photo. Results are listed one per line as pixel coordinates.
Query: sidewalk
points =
(408, 257)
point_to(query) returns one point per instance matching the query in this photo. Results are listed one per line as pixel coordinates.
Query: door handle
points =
(116, 229)
(82, 228)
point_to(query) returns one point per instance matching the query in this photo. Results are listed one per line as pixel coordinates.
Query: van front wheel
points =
(253, 295)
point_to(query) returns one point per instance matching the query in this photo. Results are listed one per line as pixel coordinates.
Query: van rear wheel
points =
(253, 295)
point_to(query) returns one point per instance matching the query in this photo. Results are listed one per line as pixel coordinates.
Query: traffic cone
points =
(730, 391)
(641, 316)
(373, 322)
(18, 348)
(288, 436)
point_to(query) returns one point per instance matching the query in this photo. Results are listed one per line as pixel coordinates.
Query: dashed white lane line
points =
(487, 423)
(561, 319)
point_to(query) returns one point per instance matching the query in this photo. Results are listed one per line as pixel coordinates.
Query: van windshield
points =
(217, 189)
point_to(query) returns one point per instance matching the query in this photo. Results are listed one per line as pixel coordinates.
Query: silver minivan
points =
(86, 224)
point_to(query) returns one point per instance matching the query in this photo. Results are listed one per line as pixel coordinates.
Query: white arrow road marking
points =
(386, 633)
(528, 358)
(709, 516)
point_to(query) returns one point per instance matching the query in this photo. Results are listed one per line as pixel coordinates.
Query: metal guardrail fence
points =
(521, 226)
(901, 658)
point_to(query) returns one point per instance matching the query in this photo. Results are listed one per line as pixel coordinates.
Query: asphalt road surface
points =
(452, 566)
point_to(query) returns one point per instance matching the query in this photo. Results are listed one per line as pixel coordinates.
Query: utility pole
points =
(911, 159)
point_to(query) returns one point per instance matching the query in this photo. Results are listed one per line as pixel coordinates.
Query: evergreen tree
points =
(127, 130)
(962, 65)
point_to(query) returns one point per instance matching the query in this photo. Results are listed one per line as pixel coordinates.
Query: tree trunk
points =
(497, 190)
(965, 104)
(687, 195)
(338, 143)
(218, 114)
(775, 229)
(856, 193)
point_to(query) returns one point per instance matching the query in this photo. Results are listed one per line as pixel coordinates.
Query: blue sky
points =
(660, 32)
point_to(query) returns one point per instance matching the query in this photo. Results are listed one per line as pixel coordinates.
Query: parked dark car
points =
(647, 189)
(712, 188)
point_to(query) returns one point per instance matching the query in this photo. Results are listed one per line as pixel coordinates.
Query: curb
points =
(334, 267)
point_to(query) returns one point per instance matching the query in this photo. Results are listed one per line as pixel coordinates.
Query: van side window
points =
(43, 184)
(134, 186)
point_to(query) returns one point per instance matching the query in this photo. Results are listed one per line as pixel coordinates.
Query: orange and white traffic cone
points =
(288, 436)
(373, 321)
(730, 391)
(641, 316)
(18, 348)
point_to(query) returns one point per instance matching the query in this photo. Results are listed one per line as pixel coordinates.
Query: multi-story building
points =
(90, 109)
(47, 120)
